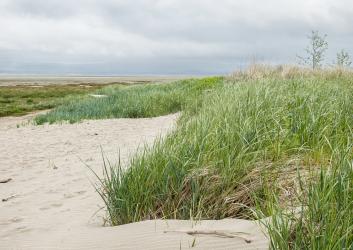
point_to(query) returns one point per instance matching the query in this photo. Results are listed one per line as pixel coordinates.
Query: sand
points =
(50, 201)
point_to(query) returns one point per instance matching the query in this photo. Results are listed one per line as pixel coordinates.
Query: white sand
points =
(53, 205)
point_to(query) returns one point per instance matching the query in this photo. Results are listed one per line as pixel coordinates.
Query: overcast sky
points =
(115, 37)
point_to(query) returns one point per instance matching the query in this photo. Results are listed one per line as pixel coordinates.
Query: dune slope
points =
(49, 201)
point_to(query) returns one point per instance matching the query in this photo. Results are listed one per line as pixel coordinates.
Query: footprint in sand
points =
(65, 210)
(69, 196)
(11, 221)
(52, 191)
(16, 219)
(76, 180)
(54, 205)
(22, 229)
(81, 192)
(30, 178)
(75, 194)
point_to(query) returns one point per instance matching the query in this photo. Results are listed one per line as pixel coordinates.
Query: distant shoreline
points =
(13, 80)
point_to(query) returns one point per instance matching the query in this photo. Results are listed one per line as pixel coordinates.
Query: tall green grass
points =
(131, 101)
(324, 219)
(267, 144)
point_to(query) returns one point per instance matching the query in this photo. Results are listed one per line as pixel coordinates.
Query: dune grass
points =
(20, 100)
(252, 147)
(147, 100)
(324, 219)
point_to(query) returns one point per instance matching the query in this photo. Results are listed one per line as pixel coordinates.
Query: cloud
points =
(162, 36)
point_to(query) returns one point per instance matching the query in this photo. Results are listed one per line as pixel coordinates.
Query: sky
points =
(161, 37)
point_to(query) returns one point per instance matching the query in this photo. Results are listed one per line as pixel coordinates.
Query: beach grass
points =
(147, 100)
(323, 218)
(20, 100)
(269, 142)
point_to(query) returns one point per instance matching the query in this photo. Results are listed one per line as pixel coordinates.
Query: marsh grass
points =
(20, 100)
(147, 100)
(267, 144)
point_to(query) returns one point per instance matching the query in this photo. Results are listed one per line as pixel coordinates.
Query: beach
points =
(51, 203)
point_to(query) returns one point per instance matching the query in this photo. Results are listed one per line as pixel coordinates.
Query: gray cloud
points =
(163, 36)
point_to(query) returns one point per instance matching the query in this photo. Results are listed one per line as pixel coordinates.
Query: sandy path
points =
(53, 204)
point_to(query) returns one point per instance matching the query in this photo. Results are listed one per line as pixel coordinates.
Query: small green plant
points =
(343, 59)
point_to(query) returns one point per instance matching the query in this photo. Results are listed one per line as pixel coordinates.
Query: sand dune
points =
(50, 202)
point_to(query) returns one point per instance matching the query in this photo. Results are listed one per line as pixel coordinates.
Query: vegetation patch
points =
(131, 101)
(20, 100)
(251, 148)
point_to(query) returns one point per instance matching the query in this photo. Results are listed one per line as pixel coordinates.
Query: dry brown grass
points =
(265, 71)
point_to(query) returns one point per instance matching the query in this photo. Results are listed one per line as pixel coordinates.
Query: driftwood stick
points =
(5, 180)
(221, 233)
(9, 198)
